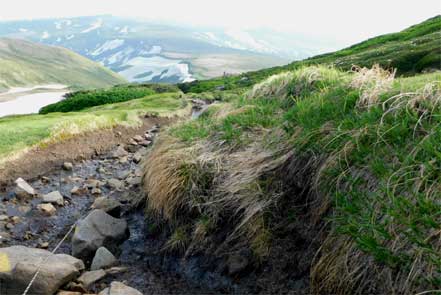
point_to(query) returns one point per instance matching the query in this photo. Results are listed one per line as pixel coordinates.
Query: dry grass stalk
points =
(372, 83)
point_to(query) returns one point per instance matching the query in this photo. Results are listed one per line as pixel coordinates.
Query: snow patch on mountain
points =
(45, 35)
(156, 68)
(95, 25)
(22, 30)
(108, 45)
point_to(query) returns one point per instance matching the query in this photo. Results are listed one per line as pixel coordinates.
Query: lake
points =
(28, 103)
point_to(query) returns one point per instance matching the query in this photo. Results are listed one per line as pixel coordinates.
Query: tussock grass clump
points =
(365, 170)
(295, 84)
(372, 83)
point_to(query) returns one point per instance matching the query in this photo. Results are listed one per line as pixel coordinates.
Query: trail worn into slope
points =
(113, 175)
(40, 161)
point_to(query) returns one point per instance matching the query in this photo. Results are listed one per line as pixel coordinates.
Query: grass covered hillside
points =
(24, 63)
(413, 50)
(327, 180)
(20, 133)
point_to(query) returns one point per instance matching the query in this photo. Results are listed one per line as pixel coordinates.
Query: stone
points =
(15, 219)
(145, 143)
(119, 152)
(114, 183)
(137, 157)
(68, 293)
(117, 288)
(23, 189)
(47, 209)
(90, 277)
(4, 237)
(103, 259)
(54, 197)
(96, 191)
(134, 180)
(96, 230)
(67, 166)
(93, 183)
(45, 179)
(149, 136)
(237, 264)
(76, 191)
(138, 138)
(4, 217)
(18, 265)
(44, 245)
(116, 270)
(133, 142)
(122, 174)
(9, 226)
(110, 206)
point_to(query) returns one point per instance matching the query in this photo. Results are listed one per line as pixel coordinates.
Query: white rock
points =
(18, 265)
(54, 198)
(117, 288)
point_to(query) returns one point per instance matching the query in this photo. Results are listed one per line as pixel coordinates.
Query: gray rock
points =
(119, 152)
(122, 174)
(54, 198)
(67, 166)
(114, 183)
(110, 206)
(18, 265)
(117, 288)
(23, 189)
(47, 209)
(145, 143)
(138, 138)
(103, 259)
(137, 157)
(90, 277)
(134, 180)
(96, 230)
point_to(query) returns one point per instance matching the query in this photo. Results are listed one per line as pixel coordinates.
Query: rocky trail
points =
(113, 251)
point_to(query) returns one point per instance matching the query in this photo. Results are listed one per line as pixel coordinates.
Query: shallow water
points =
(29, 103)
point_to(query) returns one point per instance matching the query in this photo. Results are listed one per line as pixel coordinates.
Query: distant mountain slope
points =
(413, 50)
(23, 63)
(147, 51)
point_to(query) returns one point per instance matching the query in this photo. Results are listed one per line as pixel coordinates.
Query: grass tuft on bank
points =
(357, 151)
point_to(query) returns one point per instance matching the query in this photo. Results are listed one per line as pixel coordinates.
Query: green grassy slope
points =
(357, 151)
(24, 63)
(21, 132)
(413, 50)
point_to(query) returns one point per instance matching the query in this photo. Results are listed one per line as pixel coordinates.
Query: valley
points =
(321, 176)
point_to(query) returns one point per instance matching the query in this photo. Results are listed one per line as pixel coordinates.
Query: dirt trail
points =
(97, 164)
(40, 161)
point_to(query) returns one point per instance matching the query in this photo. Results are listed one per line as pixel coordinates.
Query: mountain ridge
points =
(25, 63)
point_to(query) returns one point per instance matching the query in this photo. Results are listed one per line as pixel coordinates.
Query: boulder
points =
(145, 143)
(96, 230)
(18, 265)
(117, 288)
(110, 206)
(103, 259)
(90, 277)
(23, 189)
(54, 198)
(47, 209)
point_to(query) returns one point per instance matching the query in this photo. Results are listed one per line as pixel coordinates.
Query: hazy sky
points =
(344, 20)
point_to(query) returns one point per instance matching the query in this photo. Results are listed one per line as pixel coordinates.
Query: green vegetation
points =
(21, 132)
(24, 63)
(77, 101)
(372, 144)
(411, 51)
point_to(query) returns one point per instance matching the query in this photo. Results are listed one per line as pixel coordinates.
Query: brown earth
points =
(40, 161)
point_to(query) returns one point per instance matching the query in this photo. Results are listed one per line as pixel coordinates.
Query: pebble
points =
(47, 209)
